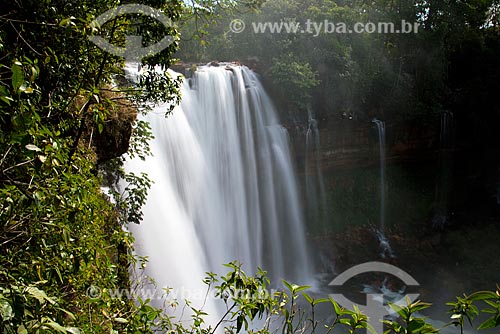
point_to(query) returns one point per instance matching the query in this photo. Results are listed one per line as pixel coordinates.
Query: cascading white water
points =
(224, 187)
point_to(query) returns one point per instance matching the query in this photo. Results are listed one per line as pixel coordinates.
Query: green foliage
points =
(246, 298)
(297, 79)
(410, 322)
(59, 234)
(248, 301)
(293, 310)
(391, 76)
(464, 308)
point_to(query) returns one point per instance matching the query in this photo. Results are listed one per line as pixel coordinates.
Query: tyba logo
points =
(374, 309)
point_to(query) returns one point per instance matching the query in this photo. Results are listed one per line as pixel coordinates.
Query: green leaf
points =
(415, 325)
(17, 76)
(308, 298)
(25, 88)
(59, 273)
(288, 285)
(6, 99)
(22, 330)
(489, 302)
(4, 92)
(32, 147)
(336, 306)
(482, 295)
(6, 310)
(67, 21)
(418, 306)
(320, 300)
(239, 323)
(298, 288)
(39, 294)
(402, 311)
(490, 323)
(57, 327)
(34, 73)
(121, 320)
(68, 313)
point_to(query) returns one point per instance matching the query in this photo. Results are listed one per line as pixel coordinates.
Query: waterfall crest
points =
(224, 187)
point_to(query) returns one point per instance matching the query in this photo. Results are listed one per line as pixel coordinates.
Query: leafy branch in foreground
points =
(410, 322)
(464, 308)
(251, 307)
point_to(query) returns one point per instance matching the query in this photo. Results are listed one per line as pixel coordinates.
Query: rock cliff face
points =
(465, 174)
(351, 144)
(113, 139)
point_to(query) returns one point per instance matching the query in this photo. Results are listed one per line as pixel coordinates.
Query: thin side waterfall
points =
(443, 182)
(386, 250)
(381, 140)
(224, 186)
(315, 185)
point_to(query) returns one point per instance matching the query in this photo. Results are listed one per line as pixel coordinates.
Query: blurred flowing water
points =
(314, 181)
(445, 166)
(224, 186)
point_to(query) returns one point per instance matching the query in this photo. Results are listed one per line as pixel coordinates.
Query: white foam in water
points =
(224, 187)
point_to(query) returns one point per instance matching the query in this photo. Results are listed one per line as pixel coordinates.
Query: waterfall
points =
(315, 185)
(445, 131)
(224, 186)
(381, 140)
(443, 182)
(385, 246)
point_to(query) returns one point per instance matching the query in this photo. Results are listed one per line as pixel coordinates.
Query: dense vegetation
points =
(449, 65)
(61, 120)
(67, 115)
